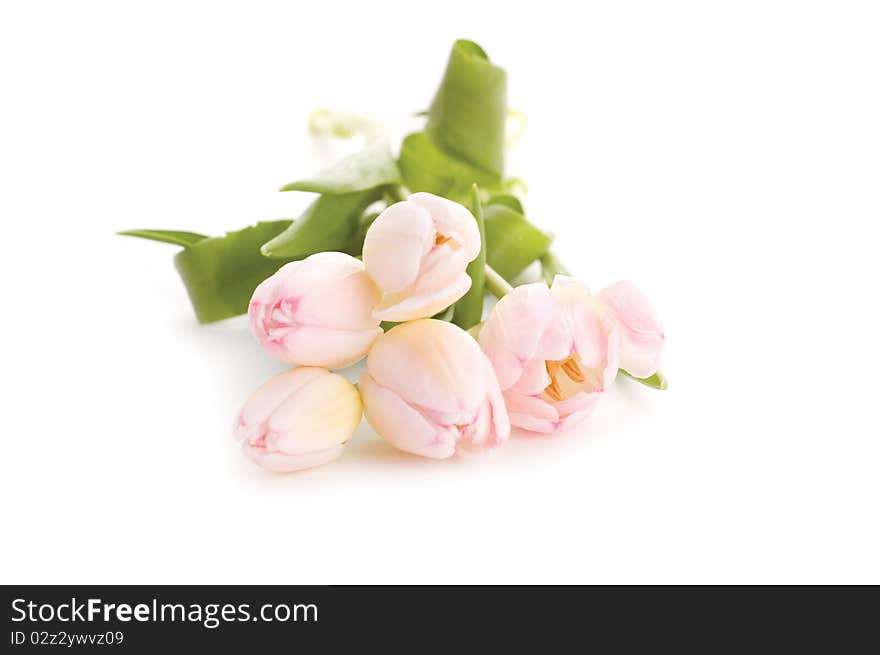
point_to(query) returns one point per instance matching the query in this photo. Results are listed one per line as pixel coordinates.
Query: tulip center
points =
(442, 239)
(565, 377)
(280, 320)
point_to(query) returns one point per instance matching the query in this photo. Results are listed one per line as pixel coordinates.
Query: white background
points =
(724, 156)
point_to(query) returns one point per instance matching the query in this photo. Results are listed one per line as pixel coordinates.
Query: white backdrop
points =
(723, 156)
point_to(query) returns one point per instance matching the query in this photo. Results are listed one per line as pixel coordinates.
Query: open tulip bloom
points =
(556, 350)
(416, 240)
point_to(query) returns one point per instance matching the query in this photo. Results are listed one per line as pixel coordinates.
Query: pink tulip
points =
(642, 337)
(429, 390)
(316, 312)
(416, 252)
(299, 419)
(554, 352)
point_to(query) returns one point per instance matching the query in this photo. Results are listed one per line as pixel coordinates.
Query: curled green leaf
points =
(468, 115)
(463, 140)
(469, 309)
(371, 167)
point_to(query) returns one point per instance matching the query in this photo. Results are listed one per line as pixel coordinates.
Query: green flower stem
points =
(497, 285)
(469, 309)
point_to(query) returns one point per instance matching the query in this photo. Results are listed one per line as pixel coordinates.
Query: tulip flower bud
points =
(642, 337)
(316, 312)
(429, 390)
(299, 419)
(554, 353)
(416, 252)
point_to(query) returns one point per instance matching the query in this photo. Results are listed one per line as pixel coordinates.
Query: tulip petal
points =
(315, 270)
(283, 463)
(441, 264)
(595, 337)
(573, 410)
(531, 413)
(316, 312)
(480, 434)
(432, 364)
(395, 244)
(529, 423)
(642, 337)
(342, 298)
(534, 378)
(318, 346)
(490, 427)
(451, 219)
(500, 419)
(400, 424)
(612, 361)
(321, 414)
(408, 307)
(298, 419)
(272, 394)
(515, 329)
(581, 311)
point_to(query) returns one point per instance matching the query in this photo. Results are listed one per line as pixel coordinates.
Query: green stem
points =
(497, 285)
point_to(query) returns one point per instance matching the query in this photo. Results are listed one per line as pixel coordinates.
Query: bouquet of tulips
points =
(393, 262)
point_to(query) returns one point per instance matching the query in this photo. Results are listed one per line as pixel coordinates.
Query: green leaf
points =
(513, 242)
(178, 238)
(463, 140)
(551, 266)
(425, 167)
(221, 273)
(657, 381)
(468, 115)
(508, 200)
(355, 246)
(329, 223)
(371, 167)
(469, 309)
